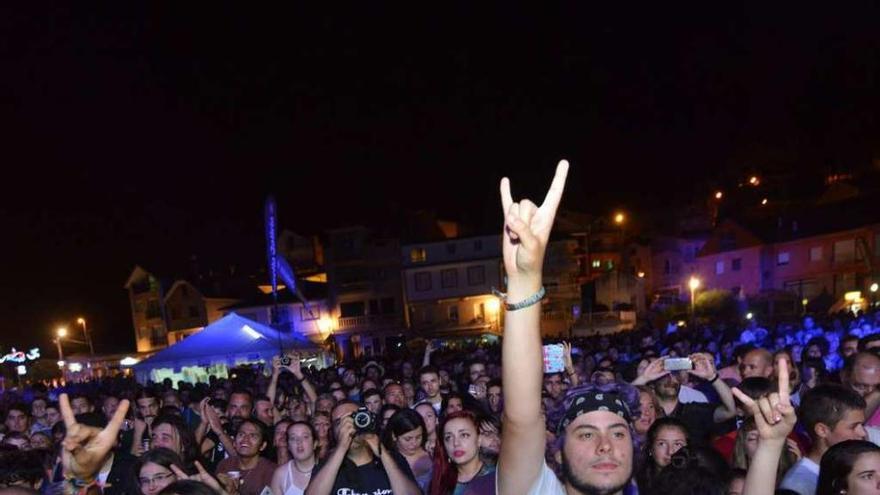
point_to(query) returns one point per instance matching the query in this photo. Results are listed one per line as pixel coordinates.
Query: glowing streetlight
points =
(749, 315)
(754, 180)
(325, 325)
(619, 218)
(641, 274)
(719, 194)
(62, 332)
(763, 201)
(874, 287)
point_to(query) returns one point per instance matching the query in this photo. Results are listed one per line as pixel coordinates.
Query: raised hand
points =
(654, 371)
(704, 366)
(85, 448)
(527, 226)
(774, 414)
(295, 367)
(210, 415)
(202, 475)
(566, 357)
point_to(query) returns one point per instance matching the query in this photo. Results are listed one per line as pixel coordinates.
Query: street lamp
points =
(619, 218)
(873, 288)
(82, 321)
(693, 284)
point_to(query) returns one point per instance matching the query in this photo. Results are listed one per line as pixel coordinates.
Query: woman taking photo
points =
(851, 467)
(664, 438)
(293, 477)
(405, 433)
(457, 468)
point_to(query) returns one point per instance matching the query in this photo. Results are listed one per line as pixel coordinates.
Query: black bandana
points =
(595, 400)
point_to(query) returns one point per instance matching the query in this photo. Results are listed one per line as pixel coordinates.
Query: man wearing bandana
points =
(597, 445)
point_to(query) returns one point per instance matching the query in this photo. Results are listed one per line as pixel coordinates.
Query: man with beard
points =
(148, 405)
(254, 472)
(698, 417)
(597, 443)
(393, 394)
(595, 430)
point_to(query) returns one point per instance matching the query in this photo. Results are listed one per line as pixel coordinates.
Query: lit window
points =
(597, 263)
(418, 255)
(783, 258)
(719, 267)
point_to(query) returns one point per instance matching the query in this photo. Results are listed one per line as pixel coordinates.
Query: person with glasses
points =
(154, 470)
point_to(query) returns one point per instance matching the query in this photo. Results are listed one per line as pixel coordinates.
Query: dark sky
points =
(155, 130)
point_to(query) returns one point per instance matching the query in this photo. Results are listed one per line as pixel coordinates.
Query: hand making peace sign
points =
(527, 226)
(85, 448)
(774, 414)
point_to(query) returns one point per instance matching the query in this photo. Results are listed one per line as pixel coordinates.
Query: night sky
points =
(148, 131)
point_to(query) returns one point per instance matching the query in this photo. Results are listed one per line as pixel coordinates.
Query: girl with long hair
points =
(405, 433)
(323, 441)
(153, 470)
(292, 477)
(851, 467)
(458, 469)
(664, 438)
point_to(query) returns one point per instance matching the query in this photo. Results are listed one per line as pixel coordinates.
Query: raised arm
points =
(704, 367)
(429, 349)
(775, 418)
(85, 449)
(296, 368)
(272, 391)
(569, 365)
(526, 233)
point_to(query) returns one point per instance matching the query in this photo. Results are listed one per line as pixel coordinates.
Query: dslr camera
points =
(364, 421)
(286, 360)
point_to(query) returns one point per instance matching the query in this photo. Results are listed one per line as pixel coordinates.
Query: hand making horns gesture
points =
(85, 448)
(774, 414)
(527, 226)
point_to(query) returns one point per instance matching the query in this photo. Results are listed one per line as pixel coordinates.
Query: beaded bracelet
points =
(525, 303)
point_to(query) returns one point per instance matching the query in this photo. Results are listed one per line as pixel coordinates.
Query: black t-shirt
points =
(369, 479)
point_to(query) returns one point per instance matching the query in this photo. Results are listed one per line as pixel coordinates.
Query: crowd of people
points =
(709, 409)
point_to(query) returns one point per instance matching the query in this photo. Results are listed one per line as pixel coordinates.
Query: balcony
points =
(368, 321)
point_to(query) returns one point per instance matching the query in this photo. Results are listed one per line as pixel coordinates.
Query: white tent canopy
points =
(227, 342)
